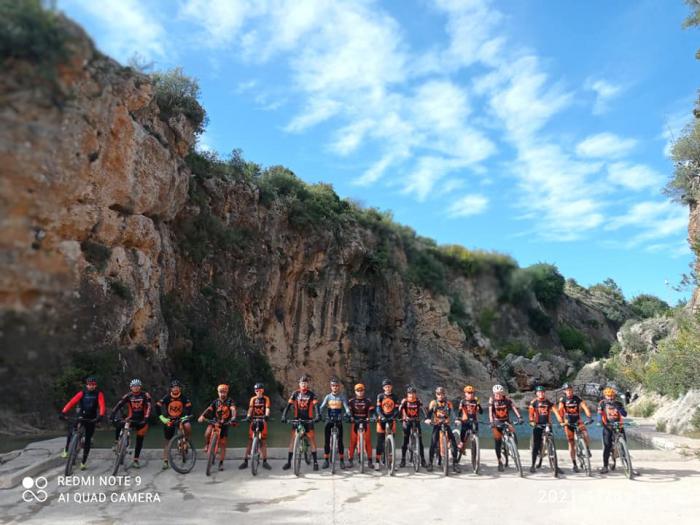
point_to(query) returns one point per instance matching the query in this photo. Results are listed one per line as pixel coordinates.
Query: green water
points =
(278, 436)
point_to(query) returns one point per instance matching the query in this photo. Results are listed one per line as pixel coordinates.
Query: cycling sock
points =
(289, 457)
(313, 455)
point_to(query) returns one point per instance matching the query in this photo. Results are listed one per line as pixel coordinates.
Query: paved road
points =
(666, 492)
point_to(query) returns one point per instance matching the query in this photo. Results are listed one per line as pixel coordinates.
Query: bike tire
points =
(625, 458)
(516, 456)
(458, 440)
(389, 455)
(416, 453)
(476, 454)
(120, 455)
(583, 456)
(211, 456)
(72, 452)
(297, 453)
(361, 452)
(255, 455)
(552, 454)
(445, 453)
(334, 451)
(181, 461)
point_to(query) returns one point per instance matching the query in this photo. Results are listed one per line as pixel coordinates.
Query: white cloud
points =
(468, 205)
(129, 28)
(222, 20)
(655, 219)
(634, 176)
(604, 145)
(605, 92)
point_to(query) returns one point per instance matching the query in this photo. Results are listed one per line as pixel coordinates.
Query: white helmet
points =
(135, 382)
(498, 389)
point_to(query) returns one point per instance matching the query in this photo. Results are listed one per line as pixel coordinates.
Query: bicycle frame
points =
(77, 440)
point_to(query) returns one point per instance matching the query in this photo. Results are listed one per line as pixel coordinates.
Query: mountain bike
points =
(181, 452)
(445, 445)
(361, 426)
(471, 440)
(389, 456)
(510, 448)
(258, 424)
(547, 448)
(621, 450)
(122, 446)
(77, 440)
(414, 443)
(301, 445)
(214, 441)
(335, 432)
(582, 451)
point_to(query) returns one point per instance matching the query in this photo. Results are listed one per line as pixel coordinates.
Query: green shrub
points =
(30, 32)
(685, 153)
(539, 321)
(102, 364)
(647, 306)
(515, 347)
(643, 409)
(474, 262)
(543, 280)
(205, 233)
(426, 271)
(675, 367)
(175, 94)
(571, 339)
(121, 290)
(695, 420)
(96, 253)
(661, 425)
(486, 318)
(207, 164)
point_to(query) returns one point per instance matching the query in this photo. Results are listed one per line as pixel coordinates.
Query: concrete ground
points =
(665, 492)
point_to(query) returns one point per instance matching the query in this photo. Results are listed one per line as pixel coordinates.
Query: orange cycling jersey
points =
(570, 407)
(611, 411)
(303, 403)
(540, 411)
(500, 408)
(175, 407)
(387, 405)
(259, 406)
(440, 411)
(469, 409)
(410, 409)
(223, 410)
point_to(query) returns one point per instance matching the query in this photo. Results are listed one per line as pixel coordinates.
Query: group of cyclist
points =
(304, 407)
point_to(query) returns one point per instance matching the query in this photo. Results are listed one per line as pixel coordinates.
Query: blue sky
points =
(532, 127)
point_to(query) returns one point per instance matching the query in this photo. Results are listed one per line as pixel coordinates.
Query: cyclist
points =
(173, 406)
(570, 407)
(469, 410)
(337, 405)
(440, 411)
(610, 412)
(387, 407)
(360, 408)
(91, 403)
(305, 405)
(223, 410)
(540, 413)
(138, 404)
(258, 406)
(500, 406)
(411, 411)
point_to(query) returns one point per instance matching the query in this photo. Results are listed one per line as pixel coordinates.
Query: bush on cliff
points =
(30, 32)
(542, 279)
(175, 94)
(647, 306)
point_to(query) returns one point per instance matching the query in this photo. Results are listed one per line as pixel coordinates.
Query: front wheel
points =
(516, 456)
(552, 455)
(415, 451)
(475, 453)
(122, 446)
(181, 454)
(334, 451)
(583, 458)
(389, 454)
(297, 453)
(625, 458)
(72, 452)
(361, 452)
(211, 458)
(445, 453)
(255, 456)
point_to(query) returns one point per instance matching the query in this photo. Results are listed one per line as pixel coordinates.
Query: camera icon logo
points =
(39, 494)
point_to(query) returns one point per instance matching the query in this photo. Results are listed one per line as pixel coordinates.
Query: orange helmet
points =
(359, 386)
(468, 389)
(222, 388)
(609, 392)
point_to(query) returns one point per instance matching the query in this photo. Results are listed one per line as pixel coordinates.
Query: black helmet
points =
(335, 381)
(258, 386)
(304, 378)
(386, 381)
(175, 383)
(410, 389)
(90, 379)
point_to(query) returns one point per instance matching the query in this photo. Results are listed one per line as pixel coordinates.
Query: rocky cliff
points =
(125, 253)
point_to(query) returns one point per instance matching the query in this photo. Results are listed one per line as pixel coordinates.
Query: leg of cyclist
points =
(341, 446)
(406, 426)
(140, 436)
(290, 453)
(249, 445)
(223, 441)
(434, 438)
(421, 447)
(570, 436)
(327, 443)
(498, 442)
(536, 445)
(89, 431)
(353, 442)
(453, 443)
(312, 439)
(380, 443)
(607, 448)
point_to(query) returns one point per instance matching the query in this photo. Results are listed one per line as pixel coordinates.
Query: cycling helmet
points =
(135, 382)
(359, 386)
(539, 388)
(609, 392)
(259, 386)
(498, 389)
(411, 389)
(468, 389)
(565, 386)
(175, 384)
(440, 390)
(335, 381)
(90, 379)
(223, 387)
(304, 379)
(386, 381)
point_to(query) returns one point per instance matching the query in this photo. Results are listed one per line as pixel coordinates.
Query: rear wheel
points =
(181, 454)
(255, 455)
(625, 458)
(72, 452)
(211, 457)
(475, 453)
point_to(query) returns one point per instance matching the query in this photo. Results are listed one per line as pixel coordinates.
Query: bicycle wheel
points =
(72, 452)
(444, 453)
(361, 452)
(415, 451)
(297, 453)
(181, 454)
(476, 454)
(255, 455)
(583, 458)
(552, 455)
(389, 452)
(458, 440)
(211, 457)
(625, 458)
(504, 450)
(122, 446)
(516, 456)
(334, 450)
